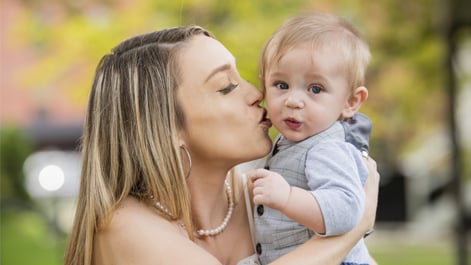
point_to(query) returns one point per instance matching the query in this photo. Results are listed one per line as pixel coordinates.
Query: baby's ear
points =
(353, 104)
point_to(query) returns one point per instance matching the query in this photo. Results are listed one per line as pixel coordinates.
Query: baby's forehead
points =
(313, 48)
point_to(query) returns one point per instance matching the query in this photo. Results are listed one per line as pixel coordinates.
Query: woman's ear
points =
(353, 104)
(180, 138)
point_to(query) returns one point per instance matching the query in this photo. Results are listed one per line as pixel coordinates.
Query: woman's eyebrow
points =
(218, 69)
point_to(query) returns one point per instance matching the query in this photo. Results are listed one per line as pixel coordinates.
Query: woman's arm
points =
(332, 250)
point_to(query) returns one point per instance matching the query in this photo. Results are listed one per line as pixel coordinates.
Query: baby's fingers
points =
(259, 196)
(258, 199)
(256, 174)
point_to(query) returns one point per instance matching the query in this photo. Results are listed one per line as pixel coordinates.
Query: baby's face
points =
(306, 91)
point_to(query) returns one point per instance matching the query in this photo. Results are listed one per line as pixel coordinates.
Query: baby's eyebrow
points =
(277, 74)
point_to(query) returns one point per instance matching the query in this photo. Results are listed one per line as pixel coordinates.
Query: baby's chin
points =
(296, 137)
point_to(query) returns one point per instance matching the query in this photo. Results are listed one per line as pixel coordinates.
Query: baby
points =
(313, 73)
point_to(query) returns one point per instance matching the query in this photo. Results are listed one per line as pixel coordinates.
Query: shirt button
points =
(260, 210)
(259, 248)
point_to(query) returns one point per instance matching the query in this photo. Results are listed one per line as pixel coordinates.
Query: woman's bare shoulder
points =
(131, 212)
(132, 216)
(138, 234)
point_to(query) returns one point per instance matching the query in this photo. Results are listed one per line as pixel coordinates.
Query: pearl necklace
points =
(221, 227)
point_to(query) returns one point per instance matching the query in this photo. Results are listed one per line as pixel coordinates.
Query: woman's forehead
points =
(202, 56)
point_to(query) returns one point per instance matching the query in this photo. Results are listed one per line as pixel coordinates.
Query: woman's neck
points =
(210, 205)
(209, 199)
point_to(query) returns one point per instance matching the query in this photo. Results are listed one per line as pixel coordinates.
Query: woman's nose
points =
(254, 95)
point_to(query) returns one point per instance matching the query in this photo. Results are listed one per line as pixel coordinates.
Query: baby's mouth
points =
(292, 123)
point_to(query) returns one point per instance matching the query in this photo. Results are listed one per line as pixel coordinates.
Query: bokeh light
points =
(51, 177)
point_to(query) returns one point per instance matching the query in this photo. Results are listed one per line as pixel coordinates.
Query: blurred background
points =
(419, 98)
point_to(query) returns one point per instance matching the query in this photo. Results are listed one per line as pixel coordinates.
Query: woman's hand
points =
(371, 193)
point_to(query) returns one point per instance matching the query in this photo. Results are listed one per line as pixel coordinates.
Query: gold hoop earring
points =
(189, 159)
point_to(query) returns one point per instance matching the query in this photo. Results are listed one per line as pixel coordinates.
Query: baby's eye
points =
(281, 85)
(316, 89)
(228, 88)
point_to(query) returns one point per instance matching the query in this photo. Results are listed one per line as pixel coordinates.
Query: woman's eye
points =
(316, 89)
(282, 85)
(228, 88)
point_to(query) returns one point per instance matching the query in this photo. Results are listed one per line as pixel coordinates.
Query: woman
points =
(168, 118)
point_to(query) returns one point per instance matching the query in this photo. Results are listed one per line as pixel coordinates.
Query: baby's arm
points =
(334, 171)
(332, 250)
(272, 190)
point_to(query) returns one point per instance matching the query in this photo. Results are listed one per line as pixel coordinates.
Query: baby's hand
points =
(269, 188)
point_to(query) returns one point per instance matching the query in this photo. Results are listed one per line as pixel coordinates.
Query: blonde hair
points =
(320, 30)
(130, 144)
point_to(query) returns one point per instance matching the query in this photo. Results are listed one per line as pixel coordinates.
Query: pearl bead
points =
(222, 226)
(230, 209)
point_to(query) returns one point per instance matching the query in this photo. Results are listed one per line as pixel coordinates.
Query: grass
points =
(27, 240)
(413, 254)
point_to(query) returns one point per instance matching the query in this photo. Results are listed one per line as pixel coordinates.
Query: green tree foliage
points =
(14, 148)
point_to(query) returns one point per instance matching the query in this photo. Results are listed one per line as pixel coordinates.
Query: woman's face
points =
(224, 123)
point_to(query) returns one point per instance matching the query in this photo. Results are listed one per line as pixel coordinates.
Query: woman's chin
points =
(263, 151)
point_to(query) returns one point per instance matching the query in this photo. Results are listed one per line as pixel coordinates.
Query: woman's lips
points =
(293, 124)
(265, 121)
